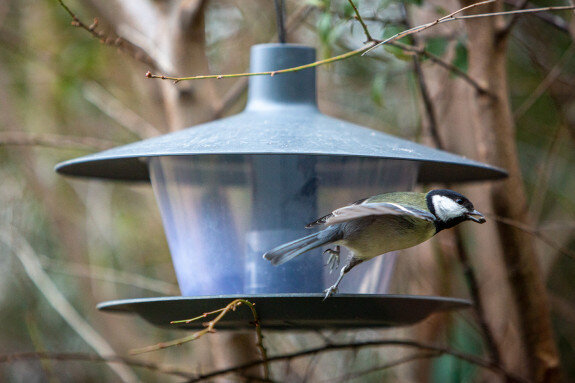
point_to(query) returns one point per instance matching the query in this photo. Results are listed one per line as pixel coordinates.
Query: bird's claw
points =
(329, 292)
(333, 259)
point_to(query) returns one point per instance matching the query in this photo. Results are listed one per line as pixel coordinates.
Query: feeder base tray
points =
(290, 311)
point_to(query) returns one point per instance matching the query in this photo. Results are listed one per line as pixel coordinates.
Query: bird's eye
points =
(459, 201)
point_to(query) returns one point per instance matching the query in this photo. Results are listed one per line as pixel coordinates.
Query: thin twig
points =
(371, 45)
(545, 171)
(359, 345)
(514, 18)
(101, 98)
(452, 17)
(268, 73)
(210, 328)
(438, 60)
(420, 28)
(32, 266)
(546, 83)
(535, 232)
(360, 19)
(109, 275)
(551, 19)
(473, 285)
(119, 42)
(17, 138)
(424, 90)
(386, 366)
(421, 51)
(468, 270)
(83, 357)
(519, 11)
(238, 88)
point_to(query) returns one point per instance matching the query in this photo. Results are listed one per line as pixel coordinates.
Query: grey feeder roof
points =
(281, 118)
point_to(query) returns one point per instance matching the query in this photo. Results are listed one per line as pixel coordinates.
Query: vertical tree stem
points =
(487, 58)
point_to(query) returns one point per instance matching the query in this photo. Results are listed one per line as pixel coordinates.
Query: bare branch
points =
(519, 11)
(546, 83)
(232, 95)
(551, 19)
(420, 28)
(438, 60)
(359, 345)
(112, 107)
(423, 88)
(428, 104)
(83, 357)
(360, 19)
(522, 4)
(478, 304)
(535, 232)
(22, 249)
(395, 363)
(119, 42)
(110, 275)
(371, 44)
(452, 17)
(54, 141)
(268, 73)
(210, 328)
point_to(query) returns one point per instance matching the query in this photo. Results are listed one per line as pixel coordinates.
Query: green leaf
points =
(461, 60)
(320, 4)
(436, 45)
(348, 11)
(441, 11)
(324, 28)
(449, 369)
(377, 89)
(391, 30)
(397, 52)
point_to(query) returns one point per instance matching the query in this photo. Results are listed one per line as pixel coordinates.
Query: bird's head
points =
(451, 208)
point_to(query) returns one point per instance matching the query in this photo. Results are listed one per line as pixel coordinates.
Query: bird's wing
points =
(352, 212)
(323, 220)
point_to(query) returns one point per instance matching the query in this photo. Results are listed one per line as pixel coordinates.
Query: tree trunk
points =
(172, 34)
(492, 118)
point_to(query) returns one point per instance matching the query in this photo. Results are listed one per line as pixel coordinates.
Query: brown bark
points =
(493, 119)
(453, 100)
(172, 33)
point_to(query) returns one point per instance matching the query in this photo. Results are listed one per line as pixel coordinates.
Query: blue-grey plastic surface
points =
(290, 311)
(281, 117)
(218, 230)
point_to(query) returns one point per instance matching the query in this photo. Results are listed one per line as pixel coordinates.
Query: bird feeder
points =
(231, 189)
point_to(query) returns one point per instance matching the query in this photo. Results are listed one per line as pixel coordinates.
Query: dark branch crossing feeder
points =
(231, 189)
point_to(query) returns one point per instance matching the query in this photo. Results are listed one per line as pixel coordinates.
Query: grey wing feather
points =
(323, 220)
(352, 212)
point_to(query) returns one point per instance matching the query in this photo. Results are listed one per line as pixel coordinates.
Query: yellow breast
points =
(386, 234)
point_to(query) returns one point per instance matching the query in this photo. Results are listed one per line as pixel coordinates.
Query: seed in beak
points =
(476, 216)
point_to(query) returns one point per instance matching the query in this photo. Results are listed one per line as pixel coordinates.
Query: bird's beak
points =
(476, 216)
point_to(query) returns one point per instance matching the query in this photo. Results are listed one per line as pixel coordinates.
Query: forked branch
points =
(210, 328)
(371, 43)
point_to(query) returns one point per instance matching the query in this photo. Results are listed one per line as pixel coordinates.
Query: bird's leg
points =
(333, 260)
(333, 289)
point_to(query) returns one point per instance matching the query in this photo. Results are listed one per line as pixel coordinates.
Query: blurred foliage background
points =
(63, 93)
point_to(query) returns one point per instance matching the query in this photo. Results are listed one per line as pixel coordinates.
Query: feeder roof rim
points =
(264, 132)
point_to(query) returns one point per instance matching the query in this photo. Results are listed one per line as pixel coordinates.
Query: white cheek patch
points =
(446, 208)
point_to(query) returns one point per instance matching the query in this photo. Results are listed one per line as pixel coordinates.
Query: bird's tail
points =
(290, 250)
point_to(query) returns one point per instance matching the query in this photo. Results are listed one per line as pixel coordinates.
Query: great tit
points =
(380, 224)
